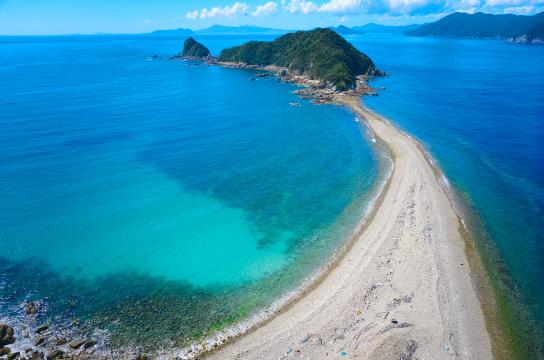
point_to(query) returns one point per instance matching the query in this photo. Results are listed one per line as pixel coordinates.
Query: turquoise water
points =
(478, 106)
(161, 199)
(159, 192)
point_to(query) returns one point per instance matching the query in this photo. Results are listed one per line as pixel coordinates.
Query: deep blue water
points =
(478, 106)
(137, 191)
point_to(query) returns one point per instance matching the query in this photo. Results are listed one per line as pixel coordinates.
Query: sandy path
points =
(403, 291)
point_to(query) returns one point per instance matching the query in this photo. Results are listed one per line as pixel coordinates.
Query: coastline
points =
(359, 307)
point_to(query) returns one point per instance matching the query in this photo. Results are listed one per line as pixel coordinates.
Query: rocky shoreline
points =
(315, 90)
(30, 339)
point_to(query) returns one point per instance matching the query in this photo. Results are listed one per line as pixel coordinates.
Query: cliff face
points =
(515, 28)
(194, 49)
(320, 54)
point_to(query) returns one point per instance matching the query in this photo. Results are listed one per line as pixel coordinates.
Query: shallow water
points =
(161, 199)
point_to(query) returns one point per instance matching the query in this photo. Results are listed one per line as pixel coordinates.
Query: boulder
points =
(42, 328)
(54, 354)
(31, 308)
(13, 355)
(6, 335)
(89, 344)
(39, 340)
(76, 343)
(61, 341)
(4, 351)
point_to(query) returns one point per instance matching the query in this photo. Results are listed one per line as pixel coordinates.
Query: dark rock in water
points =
(141, 357)
(13, 355)
(6, 335)
(35, 355)
(42, 328)
(55, 354)
(31, 308)
(61, 341)
(39, 340)
(76, 343)
(89, 344)
(4, 351)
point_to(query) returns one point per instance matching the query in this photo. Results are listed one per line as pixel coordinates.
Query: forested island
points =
(320, 56)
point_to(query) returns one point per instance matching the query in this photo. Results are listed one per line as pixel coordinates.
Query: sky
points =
(48, 17)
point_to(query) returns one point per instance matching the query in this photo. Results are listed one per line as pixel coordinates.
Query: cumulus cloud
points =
(341, 6)
(270, 8)
(230, 12)
(300, 6)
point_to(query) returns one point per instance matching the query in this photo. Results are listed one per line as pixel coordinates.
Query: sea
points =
(159, 201)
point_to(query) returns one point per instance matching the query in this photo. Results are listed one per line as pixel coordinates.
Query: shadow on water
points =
(136, 309)
(142, 311)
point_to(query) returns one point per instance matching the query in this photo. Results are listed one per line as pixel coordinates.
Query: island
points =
(512, 28)
(319, 54)
(319, 60)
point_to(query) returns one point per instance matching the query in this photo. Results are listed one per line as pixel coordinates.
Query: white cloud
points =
(300, 6)
(383, 8)
(341, 6)
(270, 8)
(193, 15)
(230, 12)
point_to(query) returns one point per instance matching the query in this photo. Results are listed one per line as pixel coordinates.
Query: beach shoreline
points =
(360, 316)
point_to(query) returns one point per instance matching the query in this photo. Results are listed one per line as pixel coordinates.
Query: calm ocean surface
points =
(192, 196)
(162, 199)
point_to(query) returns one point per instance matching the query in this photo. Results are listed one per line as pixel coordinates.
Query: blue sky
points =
(21, 17)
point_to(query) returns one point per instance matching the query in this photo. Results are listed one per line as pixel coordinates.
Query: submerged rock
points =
(76, 343)
(89, 344)
(55, 354)
(39, 340)
(31, 308)
(42, 328)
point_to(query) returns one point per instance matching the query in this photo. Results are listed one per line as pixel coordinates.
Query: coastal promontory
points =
(319, 54)
(513, 28)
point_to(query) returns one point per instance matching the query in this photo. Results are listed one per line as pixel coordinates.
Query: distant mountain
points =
(514, 28)
(377, 28)
(235, 30)
(220, 30)
(175, 32)
(344, 30)
(320, 54)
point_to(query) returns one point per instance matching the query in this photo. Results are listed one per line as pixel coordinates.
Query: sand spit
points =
(403, 290)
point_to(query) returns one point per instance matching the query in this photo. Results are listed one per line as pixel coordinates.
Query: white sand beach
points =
(402, 290)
